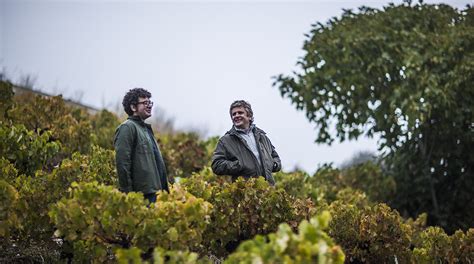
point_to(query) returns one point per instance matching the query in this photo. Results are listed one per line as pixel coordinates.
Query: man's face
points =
(142, 108)
(240, 118)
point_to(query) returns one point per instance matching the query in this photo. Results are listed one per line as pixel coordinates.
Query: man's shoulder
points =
(225, 137)
(126, 126)
(126, 123)
(259, 131)
(228, 135)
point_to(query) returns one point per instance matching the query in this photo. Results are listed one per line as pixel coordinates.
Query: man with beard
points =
(140, 166)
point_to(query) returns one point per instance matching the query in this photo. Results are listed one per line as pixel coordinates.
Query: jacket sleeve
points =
(276, 160)
(123, 143)
(221, 165)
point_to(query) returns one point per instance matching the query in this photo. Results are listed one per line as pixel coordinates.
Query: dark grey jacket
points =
(140, 166)
(234, 157)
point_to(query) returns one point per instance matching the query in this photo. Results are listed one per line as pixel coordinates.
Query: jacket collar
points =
(138, 120)
(253, 127)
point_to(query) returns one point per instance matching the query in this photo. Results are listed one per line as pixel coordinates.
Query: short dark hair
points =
(131, 98)
(246, 105)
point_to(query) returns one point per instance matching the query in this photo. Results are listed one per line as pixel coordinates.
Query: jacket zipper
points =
(259, 165)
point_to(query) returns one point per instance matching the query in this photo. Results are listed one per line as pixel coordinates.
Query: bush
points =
(10, 209)
(160, 256)
(183, 153)
(434, 246)
(370, 234)
(301, 185)
(310, 245)
(99, 219)
(27, 150)
(68, 125)
(369, 178)
(103, 125)
(44, 189)
(325, 184)
(6, 99)
(243, 209)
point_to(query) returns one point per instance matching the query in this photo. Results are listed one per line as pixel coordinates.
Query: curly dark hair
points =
(131, 98)
(246, 105)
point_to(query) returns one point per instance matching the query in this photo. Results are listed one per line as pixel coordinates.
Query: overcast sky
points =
(194, 57)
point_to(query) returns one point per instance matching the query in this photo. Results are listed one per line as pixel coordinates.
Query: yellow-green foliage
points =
(46, 146)
(6, 96)
(310, 245)
(8, 171)
(183, 153)
(26, 149)
(98, 217)
(68, 125)
(45, 188)
(103, 124)
(128, 256)
(11, 208)
(369, 178)
(185, 216)
(329, 181)
(160, 256)
(325, 184)
(244, 208)
(434, 246)
(368, 234)
(301, 185)
(353, 197)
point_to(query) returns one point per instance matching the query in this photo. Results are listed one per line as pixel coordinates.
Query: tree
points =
(359, 158)
(404, 72)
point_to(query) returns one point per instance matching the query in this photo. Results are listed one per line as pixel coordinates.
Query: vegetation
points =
(404, 73)
(59, 200)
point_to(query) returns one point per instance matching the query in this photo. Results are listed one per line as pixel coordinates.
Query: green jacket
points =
(234, 157)
(140, 166)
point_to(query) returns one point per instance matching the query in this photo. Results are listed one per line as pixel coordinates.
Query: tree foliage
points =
(405, 73)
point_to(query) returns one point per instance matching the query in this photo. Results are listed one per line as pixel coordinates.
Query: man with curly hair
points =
(245, 150)
(140, 165)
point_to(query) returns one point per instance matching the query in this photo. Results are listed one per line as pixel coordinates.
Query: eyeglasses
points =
(146, 103)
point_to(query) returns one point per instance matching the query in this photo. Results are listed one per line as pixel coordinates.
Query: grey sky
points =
(195, 58)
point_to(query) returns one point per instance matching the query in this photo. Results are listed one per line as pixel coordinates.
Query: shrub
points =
(6, 99)
(370, 234)
(27, 150)
(435, 246)
(243, 209)
(68, 125)
(369, 178)
(10, 209)
(310, 245)
(46, 188)
(300, 185)
(183, 153)
(99, 218)
(103, 125)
